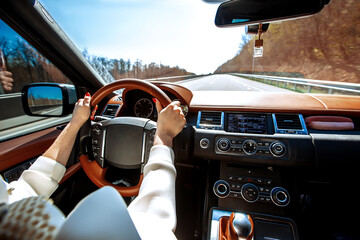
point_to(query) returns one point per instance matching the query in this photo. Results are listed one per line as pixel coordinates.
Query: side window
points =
(21, 64)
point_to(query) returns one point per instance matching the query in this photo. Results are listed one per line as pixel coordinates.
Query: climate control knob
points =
(278, 149)
(223, 144)
(250, 147)
(280, 196)
(221, 189)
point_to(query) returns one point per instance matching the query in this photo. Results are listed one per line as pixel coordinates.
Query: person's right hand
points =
(170, 123)
(6, 80)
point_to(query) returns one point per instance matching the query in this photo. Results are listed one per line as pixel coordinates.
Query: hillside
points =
(325, 46)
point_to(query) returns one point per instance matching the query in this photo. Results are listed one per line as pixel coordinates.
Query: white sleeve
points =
(43, 176)
(154, 210)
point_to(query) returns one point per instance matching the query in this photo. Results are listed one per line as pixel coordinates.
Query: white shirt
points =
(153, 211)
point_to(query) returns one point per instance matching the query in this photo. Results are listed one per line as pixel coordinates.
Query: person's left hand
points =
(81, 111)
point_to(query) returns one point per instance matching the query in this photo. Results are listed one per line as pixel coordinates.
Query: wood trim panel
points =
(20, 149)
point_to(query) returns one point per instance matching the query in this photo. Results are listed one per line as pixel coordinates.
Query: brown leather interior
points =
(329, 123)
(182, 93)
(276, 102)
(97, 176)
(23, 148)
(341, 102)
(223, 223)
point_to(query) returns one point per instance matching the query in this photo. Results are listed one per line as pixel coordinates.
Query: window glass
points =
(21, 64)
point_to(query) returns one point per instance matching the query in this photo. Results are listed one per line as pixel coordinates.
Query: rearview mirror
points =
(245, 12)
(48, 99)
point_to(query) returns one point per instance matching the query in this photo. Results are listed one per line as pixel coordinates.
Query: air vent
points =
(110, 110)
(210, 120)
(118, 98)
(289, 123)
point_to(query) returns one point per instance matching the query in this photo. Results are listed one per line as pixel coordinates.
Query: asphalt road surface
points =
(226, 82)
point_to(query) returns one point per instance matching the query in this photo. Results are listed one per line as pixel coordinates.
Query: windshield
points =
(158, 39)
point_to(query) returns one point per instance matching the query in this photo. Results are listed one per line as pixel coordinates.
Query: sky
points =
(171, 32)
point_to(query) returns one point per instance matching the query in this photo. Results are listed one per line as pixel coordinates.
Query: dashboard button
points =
(204, 143)
(223, 144)
(268, 181)
(96, 129)
(235, 194)
(240, 178)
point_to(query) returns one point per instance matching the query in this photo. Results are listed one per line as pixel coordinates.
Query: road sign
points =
(258, 51)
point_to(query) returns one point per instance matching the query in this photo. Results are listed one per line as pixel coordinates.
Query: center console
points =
(257, 192)
(252, 150)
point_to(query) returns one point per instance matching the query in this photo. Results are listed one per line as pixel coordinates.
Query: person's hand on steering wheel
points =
(171, 121)
(81, 111)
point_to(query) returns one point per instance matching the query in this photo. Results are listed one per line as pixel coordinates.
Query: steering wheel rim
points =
(130, 83)
(92, 169)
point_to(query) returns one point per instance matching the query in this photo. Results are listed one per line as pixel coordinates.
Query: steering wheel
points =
(122, 142)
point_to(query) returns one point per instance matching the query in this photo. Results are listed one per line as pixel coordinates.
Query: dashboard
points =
(259, 149)
(253, 127)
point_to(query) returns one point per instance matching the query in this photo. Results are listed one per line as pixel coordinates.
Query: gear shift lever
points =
(238, 226)
(241, 226)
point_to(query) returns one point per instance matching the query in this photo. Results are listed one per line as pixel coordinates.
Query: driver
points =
(152, 212)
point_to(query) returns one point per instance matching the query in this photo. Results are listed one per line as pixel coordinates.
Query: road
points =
(227, 82)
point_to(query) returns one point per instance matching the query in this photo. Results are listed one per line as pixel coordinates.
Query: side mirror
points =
(48, 99)
(247, 12)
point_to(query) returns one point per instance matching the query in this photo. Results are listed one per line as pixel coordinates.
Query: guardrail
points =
(306, 85)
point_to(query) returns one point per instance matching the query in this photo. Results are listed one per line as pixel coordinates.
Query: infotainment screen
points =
(247, 123)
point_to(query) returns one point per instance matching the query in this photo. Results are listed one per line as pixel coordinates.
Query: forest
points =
(29, 66)
(120, 68)
(325, 46)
